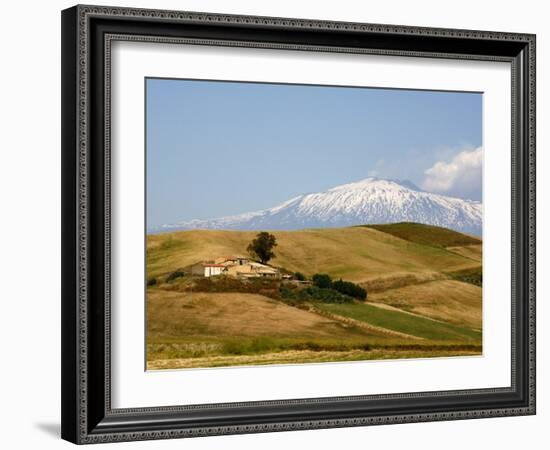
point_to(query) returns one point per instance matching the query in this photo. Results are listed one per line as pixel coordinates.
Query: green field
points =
(403, 322)
(424, 298)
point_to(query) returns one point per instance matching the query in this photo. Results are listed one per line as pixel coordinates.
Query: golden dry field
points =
(424, 298)
(446, 300)
(357, 254)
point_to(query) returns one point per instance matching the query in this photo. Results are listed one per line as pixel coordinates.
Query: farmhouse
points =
(253, 270)
(205, 269)
(238, 266)
(231, 260)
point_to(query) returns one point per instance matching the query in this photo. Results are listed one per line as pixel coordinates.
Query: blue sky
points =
(220, 148)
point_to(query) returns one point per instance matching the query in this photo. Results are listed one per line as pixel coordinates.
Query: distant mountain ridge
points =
(369, 201)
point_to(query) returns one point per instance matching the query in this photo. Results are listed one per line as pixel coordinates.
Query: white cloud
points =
(459, 177)
(376, 170)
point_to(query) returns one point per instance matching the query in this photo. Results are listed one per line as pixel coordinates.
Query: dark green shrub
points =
(327, 295)
(314, 293)
(174, 275)
(151, 281)
(349, 288)
(299, 276)
(322, 280)
(289, 294)
(473, 276)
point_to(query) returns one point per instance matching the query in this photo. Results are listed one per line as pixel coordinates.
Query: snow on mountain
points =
(369, 201)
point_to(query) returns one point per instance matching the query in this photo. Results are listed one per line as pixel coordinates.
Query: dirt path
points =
(393, 308)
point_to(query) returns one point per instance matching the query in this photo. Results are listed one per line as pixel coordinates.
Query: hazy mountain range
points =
(369, 201)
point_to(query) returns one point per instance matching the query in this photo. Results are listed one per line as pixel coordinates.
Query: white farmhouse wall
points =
(210, 271)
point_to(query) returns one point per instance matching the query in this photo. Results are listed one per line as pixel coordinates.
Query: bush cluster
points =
(475, 279)
(314, 293)
(323, 281)
(473, 276)
(349, 288)
(299, 276)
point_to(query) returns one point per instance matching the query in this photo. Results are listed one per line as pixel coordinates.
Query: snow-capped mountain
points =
(369, 201)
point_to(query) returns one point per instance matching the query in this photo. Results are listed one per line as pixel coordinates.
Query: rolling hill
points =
(424, 298)
(357, 254)
(432, 236)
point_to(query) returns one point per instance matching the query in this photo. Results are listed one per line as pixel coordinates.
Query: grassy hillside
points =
(468, 251)
(357, 254)
(187, 330)
(424, 298)
(447, 300)
(204, 314)
(427, 234)
(212, 325)
(402, 322)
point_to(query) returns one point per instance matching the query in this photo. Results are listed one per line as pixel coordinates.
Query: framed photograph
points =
(276, 224)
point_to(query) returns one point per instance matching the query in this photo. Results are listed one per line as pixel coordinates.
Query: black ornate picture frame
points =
(87, 34)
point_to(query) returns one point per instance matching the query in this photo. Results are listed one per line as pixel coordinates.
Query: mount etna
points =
(369, 201)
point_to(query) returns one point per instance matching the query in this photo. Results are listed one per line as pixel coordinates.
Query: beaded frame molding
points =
(87, 35)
